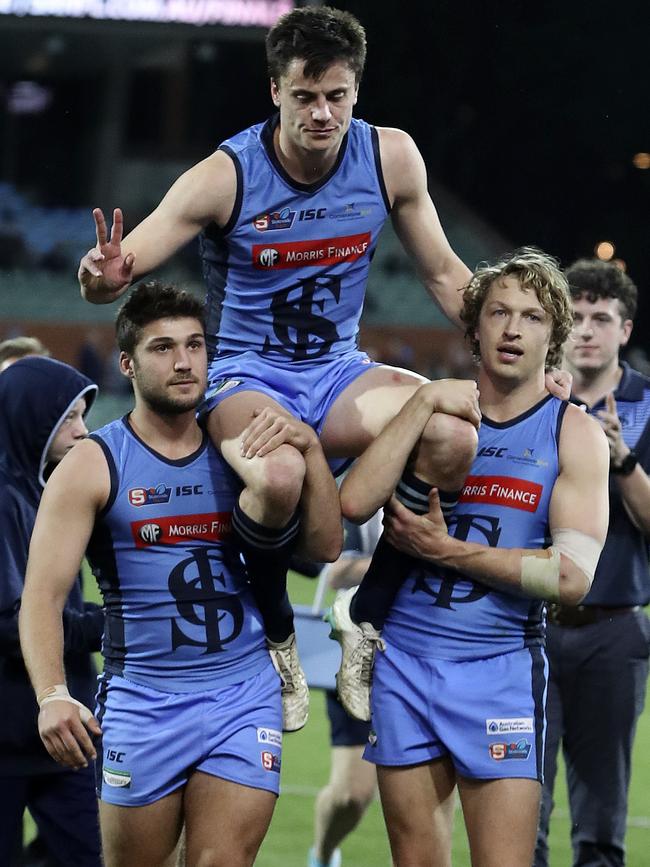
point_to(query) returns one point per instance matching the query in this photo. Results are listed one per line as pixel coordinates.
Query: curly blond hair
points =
(535, 270)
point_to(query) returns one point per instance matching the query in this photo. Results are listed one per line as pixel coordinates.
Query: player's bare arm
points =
(417, 224)
(76, 491)
(204, 193)
(321, 534)
(578, 517)
(374, 476)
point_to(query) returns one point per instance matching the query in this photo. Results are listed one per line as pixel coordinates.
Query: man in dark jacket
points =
(43, 403)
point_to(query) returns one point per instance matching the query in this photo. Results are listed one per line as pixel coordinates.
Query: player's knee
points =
(353, 800)
(446, 450)
(281, 477)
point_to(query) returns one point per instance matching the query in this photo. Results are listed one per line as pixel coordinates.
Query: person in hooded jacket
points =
(43, 404)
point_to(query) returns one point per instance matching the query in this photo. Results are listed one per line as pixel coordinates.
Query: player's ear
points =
(626, 331)
(126, 365)
(275, 93)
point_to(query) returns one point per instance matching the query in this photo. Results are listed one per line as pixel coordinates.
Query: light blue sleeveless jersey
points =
(286, 276)
(179, 613)
(504, 503)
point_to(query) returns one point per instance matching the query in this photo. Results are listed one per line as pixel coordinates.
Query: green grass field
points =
(305, 767)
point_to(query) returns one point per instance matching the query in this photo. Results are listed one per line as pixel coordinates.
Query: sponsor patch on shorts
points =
(118, 779)
(270, 736)
(372, 738)
(225, 385)
(502, 751)
(514, 725)
(271, 762)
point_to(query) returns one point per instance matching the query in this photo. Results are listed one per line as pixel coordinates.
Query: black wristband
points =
(626, 466)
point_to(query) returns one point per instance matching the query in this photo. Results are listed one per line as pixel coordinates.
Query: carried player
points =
(289, 213)
(459, 689)
(189, 706)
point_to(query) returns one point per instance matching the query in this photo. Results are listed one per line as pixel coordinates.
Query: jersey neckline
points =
(266, 136)
(179, 462)
(512, 421)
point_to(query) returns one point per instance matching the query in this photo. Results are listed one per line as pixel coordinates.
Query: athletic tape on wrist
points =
(59, 692)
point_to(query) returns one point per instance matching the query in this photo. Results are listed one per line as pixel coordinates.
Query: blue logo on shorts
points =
(501, 751)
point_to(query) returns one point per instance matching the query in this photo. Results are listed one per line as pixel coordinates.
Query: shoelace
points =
(285, 673)
(365, 655)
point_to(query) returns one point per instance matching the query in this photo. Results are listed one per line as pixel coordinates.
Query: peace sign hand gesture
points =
(104, 273)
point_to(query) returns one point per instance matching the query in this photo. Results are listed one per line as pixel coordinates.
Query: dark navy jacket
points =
(35, 395)
(623, 576)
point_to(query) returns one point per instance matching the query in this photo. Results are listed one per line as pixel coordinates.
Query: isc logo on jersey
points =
(161, 494)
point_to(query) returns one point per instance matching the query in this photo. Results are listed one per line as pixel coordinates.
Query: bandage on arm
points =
(59, 692)
(540, 575)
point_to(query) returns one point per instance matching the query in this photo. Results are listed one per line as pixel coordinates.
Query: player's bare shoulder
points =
(207, 191)
(83, 477)
(401, 162)
(582, 438)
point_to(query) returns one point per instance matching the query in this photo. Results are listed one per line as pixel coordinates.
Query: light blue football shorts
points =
(153, 741)
(306, 389)
(487, 715)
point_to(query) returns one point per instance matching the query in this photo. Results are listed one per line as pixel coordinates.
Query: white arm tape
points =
(59, 692)
(581, 549)
(540, 575)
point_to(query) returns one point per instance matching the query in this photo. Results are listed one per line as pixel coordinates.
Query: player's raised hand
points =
(611, 424)
(104, 272)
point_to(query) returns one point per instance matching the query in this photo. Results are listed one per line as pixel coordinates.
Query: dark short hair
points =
(151, 301)
(20, 347)
(593, 279)
(535, 270)
(319, 35)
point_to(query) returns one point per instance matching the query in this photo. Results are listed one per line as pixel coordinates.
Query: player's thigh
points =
(144, 836)
(229, 417)
(501, 820)
(225, 822)
(418, 806)
(365, 407)
(351, 775)
(227, 421)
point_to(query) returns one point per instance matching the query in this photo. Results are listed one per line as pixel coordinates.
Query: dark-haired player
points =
(189, 706)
